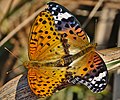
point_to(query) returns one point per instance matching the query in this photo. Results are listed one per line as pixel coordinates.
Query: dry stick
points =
(114, 68)
(13, 32)
(7, 10)
(97, 6)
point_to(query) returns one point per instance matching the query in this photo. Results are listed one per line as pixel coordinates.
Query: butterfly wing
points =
(69, 27)
(45, 81)
(90, 71)
(44, 41)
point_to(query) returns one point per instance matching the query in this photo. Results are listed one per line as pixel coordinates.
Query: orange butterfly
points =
(60, 54)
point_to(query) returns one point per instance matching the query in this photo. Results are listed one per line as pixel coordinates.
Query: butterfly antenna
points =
(12, 69)
(95, 22)
(15, 57)
(13, 54)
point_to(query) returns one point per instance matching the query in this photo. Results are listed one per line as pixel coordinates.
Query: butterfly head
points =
(26, 64)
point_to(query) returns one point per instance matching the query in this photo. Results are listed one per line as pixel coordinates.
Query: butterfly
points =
(60, 54)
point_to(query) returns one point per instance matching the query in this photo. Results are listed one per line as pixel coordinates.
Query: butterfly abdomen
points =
(67, 60)
(84, 50)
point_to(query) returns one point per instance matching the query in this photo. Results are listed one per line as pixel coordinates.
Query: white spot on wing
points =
(100, 85)
(90, 79)
(63, 15)
(101, 75)
(54, 8)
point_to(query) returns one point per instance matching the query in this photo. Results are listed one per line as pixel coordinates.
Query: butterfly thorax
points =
(31, 64)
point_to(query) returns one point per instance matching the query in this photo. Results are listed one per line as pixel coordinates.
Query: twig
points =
(13, 32)
(6, 10)
(92, 13)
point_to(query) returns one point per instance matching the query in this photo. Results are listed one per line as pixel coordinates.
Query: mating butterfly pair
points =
(60, 54)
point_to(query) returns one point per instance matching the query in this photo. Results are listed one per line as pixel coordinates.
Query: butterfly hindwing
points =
(90, 71)
(44, 81)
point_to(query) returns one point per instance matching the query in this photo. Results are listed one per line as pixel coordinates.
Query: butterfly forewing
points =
(68, 26)
(44, 41)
